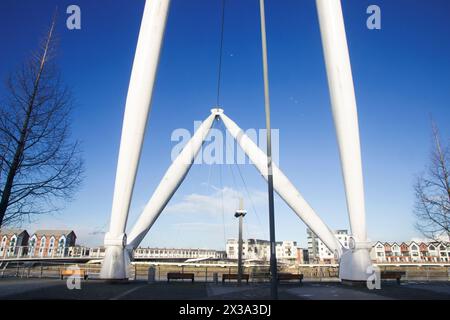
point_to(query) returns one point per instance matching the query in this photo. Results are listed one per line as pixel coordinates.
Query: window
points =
(42, 246)
(13, 241)
(12, 245)
(4, 241)
(3, 245)
(51, 246)
(62, 245)
(32, 245)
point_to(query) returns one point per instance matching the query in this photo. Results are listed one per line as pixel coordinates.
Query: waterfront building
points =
(410, 252)
(11, 240)
(50, 243)
(318, 252)
(259, 250)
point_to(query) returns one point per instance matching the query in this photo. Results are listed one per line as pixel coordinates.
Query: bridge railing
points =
(209, 272)
(30, 252)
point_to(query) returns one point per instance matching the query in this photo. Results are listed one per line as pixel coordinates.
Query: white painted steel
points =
(354, 262)
(345, 116)
(137, 109)
(172, 179)
(285, 189)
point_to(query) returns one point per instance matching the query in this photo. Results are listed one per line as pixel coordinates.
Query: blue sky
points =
(401, 73)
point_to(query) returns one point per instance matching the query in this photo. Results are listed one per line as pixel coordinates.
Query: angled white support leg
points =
(172, 179)
(137, 109)
(354, 262)
(284, 187)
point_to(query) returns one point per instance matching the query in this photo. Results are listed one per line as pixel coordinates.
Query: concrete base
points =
(114, 265)
(355, 265)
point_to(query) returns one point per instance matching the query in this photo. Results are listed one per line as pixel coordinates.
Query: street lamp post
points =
(273, 257)
(240, 213)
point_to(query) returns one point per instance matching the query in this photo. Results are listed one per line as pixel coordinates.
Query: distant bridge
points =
(83, 254)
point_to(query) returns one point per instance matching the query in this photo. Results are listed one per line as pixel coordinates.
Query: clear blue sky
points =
(401, 73)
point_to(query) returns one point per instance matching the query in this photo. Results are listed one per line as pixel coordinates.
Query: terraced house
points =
(12, 241)
(50, 243)
(411, 252)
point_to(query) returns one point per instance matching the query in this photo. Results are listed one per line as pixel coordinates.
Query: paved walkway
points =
(140, 290)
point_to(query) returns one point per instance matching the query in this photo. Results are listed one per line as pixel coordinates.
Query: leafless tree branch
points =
(432, 191)
(40, 166)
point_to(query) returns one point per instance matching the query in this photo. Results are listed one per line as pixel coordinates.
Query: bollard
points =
(216, 278)
(151, 274)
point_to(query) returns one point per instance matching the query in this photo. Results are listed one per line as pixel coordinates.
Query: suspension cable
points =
(221, 204)
(223, 207)
(219, 73)
(251, 199)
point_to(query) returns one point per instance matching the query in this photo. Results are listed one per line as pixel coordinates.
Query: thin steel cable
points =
(219, 73)
(210, 166)
(251, 200)
(223, 207)
(221, 191)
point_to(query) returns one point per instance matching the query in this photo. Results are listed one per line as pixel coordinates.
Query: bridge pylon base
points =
(116, 261)
(355, 266)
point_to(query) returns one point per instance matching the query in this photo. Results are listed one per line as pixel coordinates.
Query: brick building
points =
(11, 240)
(49, 243)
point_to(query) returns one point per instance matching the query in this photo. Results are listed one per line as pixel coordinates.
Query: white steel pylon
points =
(354, 262)
(137, 109)
(181, 165)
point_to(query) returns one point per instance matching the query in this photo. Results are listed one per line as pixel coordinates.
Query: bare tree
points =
(39, 166)
(432, 191)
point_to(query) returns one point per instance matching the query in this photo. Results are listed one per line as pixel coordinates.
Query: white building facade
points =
(259, 250)
(319, 252)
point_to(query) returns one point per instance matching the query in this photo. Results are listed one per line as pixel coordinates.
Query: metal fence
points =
(211, 272)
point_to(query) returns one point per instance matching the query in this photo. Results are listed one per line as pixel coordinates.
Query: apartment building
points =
(318, 252)
(259, 250)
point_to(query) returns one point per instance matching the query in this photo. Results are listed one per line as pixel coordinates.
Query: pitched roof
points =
(52, 232)
(10, 232)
